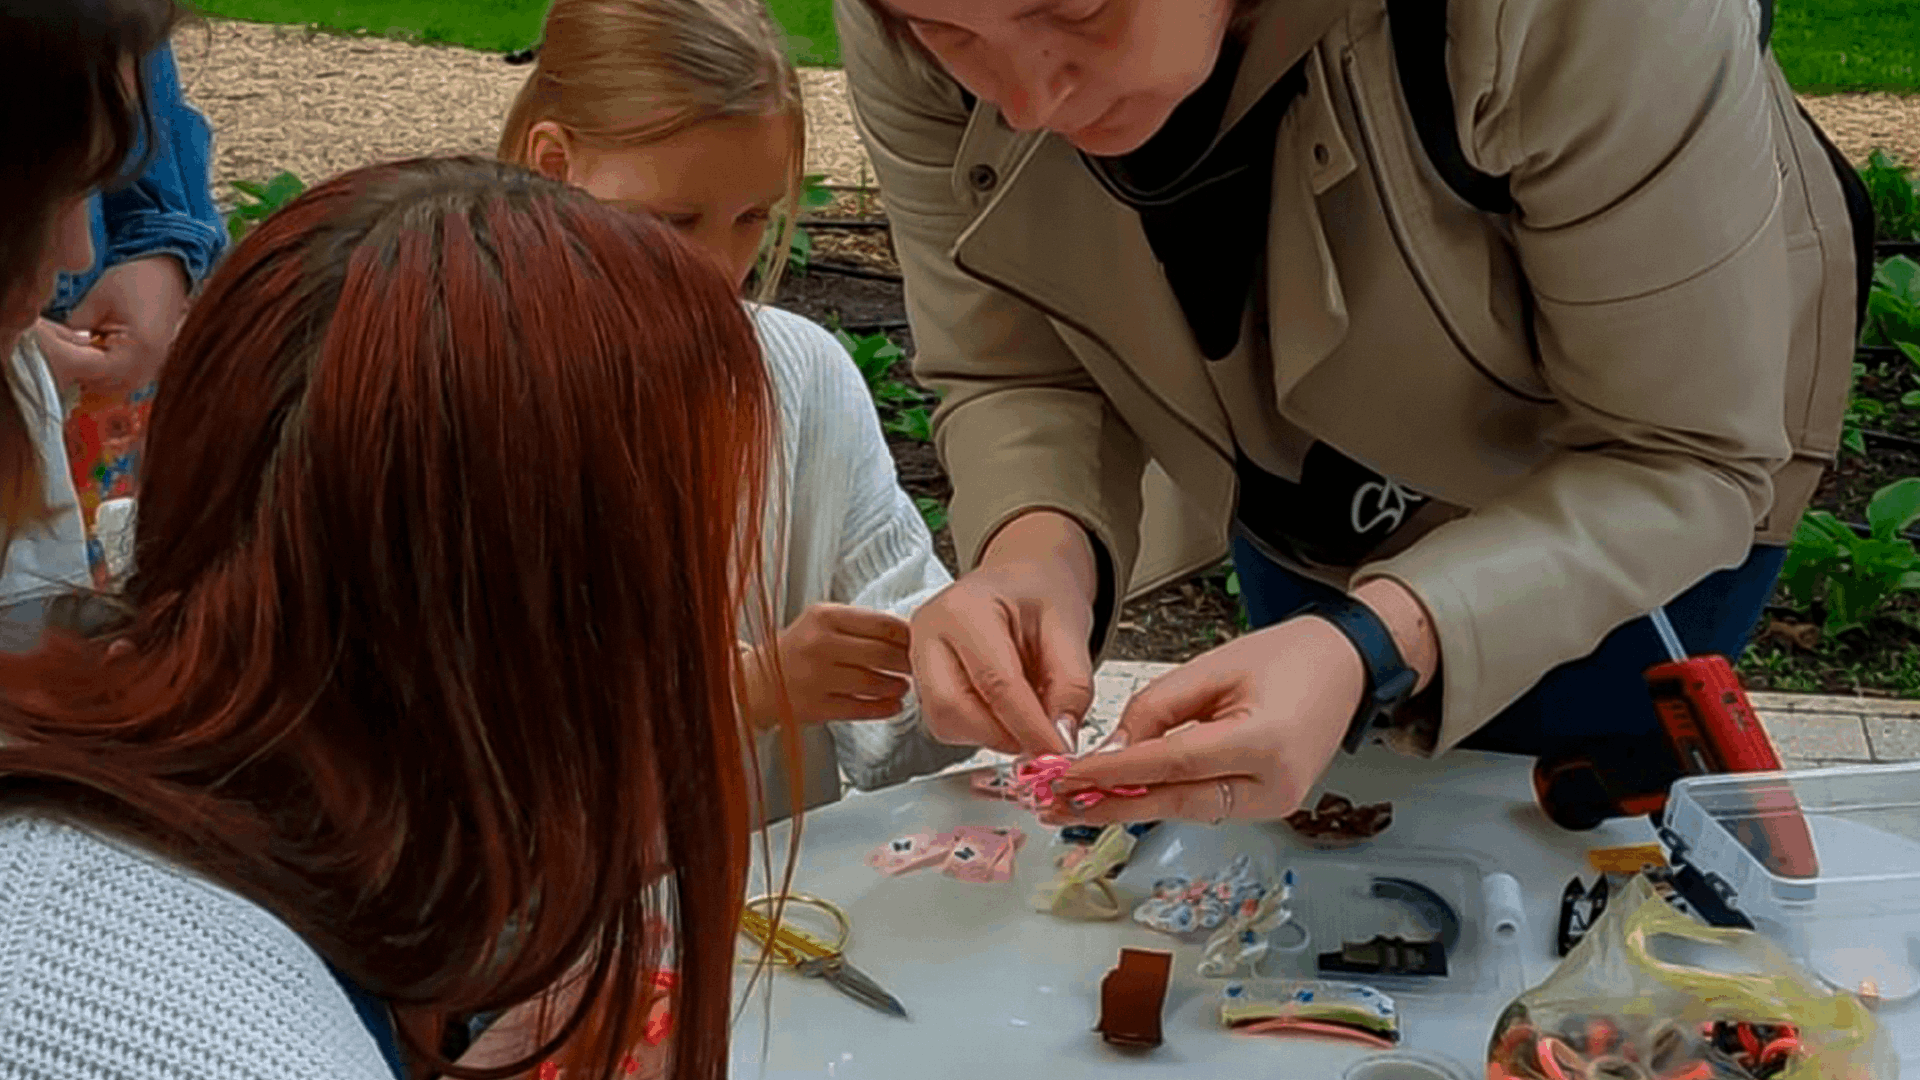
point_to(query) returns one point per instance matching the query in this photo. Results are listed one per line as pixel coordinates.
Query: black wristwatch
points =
(1390, 681)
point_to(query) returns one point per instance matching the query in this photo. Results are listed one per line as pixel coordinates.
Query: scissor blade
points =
(854, 983)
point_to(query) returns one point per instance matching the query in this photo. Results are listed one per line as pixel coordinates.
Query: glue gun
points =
(1710, 727)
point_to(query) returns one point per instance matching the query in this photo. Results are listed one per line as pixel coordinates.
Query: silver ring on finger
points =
(1226, 802)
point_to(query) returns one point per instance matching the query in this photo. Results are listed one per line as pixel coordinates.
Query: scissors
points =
(813, 957)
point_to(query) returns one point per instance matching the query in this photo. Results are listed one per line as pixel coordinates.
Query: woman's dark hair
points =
(70, 124)
(433, 615)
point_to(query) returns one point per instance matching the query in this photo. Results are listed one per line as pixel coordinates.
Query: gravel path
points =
(287, 98)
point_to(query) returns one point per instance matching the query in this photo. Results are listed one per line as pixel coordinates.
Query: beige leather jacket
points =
(1613, 392)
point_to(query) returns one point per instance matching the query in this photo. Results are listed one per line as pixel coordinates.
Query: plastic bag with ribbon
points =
(1653, 993)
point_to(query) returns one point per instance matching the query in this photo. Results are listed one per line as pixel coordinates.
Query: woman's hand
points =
(1002, 656)
(840, 663)
(1262, 714)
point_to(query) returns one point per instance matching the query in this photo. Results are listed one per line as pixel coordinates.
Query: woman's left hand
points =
(1263, 714)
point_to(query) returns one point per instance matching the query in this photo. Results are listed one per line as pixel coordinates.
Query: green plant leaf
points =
(1233, 583)
(283, 188)
(1893, 307)
(1850, 603)
(1895, 195)
(914, 423)
(813, 192)
(1811, 558)
(800, 252)
(933, 512)
(1894, 508)
(874, 355)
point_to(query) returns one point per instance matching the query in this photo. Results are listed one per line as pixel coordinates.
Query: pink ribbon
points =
(1033, 782)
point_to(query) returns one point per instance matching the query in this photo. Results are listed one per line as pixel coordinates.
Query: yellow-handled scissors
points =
(812, 956)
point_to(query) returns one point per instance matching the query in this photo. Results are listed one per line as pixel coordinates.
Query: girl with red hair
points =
(403, 716)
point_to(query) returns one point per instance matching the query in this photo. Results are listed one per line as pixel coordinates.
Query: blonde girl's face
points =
(718, 182)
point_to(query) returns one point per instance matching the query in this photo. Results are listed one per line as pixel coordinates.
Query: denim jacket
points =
(169, 210)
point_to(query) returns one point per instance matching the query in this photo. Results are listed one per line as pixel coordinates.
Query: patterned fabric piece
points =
(105, 437)
(1182, 905)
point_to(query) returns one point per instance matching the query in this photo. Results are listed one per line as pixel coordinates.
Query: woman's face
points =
(717, 182)
(69, 251)
(1102, 74)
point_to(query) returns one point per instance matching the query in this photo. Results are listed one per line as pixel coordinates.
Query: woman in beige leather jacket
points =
(1186, 276)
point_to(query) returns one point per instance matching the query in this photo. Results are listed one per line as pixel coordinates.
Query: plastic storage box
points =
(1852, 915)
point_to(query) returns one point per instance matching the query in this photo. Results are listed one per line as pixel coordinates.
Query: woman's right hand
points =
(1002, 657)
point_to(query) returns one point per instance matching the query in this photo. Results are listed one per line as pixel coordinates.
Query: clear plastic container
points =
(1853, 916)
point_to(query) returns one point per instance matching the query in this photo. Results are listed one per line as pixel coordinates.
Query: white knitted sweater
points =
(852, 536)
(116, 966)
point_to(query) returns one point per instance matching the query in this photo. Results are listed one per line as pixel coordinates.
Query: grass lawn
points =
(491, 25)
(1827, 45)
(1824, 45)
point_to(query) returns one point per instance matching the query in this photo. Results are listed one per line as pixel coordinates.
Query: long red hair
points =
(456, 484)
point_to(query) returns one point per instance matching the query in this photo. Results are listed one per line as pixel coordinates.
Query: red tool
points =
(1710, 728)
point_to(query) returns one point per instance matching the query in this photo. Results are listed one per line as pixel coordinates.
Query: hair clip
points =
(1335, 822)
(1247, 937)
(1081, 891)
(1306, 1006)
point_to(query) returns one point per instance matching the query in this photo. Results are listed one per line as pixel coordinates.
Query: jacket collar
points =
(1282, 33)
(1090, 249)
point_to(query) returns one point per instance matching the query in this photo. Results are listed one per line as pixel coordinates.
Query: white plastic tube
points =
(1506, 915)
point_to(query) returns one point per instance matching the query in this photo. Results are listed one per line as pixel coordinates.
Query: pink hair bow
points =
(1033, 782)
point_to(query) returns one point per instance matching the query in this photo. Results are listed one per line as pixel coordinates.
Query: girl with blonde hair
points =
(690, 110)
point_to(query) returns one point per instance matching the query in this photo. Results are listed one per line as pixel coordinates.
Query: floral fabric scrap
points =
(1182, 905)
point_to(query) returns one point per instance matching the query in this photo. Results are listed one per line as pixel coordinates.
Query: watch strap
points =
(1390, 682)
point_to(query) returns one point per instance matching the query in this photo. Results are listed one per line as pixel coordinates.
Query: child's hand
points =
(133, 313)
(840, 662)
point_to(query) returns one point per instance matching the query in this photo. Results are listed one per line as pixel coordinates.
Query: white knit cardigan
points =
(851, 536)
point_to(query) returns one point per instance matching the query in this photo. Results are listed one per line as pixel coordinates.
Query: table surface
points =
(994, 985)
